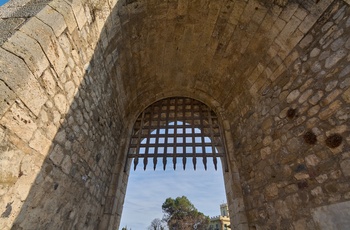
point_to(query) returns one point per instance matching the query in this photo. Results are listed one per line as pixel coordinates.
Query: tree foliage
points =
(180, 214)
(156, 224)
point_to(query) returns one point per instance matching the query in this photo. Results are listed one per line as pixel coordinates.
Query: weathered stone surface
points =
(29, 50)
(333, 216)
(79, 13)
(312, 160)
(18, 121)
(333, 59)
(40, 143)
(52, 18)
(44, 35)
(64, 9)
(57, 155)
(7, 97)
(345, 167)
(12, 72)
(10, 166)
(61, 103)
(271, 191)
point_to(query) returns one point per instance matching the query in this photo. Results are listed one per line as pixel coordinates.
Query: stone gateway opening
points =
(76, 74)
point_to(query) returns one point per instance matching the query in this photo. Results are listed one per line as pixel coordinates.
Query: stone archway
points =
(74, 75)
(199, 128)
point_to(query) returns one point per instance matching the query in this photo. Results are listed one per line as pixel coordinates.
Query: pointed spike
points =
(215, 163)
(136, 161)
(174, 163)
(205, 163)
(194, 160)
(164, 163)
(184, 163)
(154, 163)
(145, 161)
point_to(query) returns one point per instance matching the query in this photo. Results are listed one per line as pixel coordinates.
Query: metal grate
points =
(176, 128)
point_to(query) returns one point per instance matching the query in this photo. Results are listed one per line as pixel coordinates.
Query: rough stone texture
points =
(74, 75)
(333, 216)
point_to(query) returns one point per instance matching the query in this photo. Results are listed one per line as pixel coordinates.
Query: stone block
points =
(20, 122)
(17, 76)
(301, 176)
(7, 98)
(52, 18)
(49, 82)
(346, 96)
(8, 27)
(10, 165)
(282, 209)
(40, 143)
(48, 42)
(79, 13)
(57, 155)
(335, 58)
(332, 217)
(29, 50)
(345, 167)
(305, 96)
(65, 9)
(271, 191)
(312, 160)
(61, 103)
(66, 164)
(307, 23)
(332, 108)
(67, 48)
(331, 97)
(23, 186)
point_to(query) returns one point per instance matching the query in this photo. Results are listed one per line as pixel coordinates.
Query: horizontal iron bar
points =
(165, 145)
(169, 155)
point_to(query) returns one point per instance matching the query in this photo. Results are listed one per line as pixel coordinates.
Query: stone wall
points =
(293, 150)
(74, 75)
(60, 124)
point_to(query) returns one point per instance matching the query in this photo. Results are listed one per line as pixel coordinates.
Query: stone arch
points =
(232, 184)
(73, 74)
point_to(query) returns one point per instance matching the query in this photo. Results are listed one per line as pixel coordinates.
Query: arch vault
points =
(75, 75)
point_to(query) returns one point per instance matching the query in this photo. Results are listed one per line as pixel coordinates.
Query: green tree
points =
(180, 214)
(156, 224)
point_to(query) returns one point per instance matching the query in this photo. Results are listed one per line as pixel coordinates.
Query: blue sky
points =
(2, 2)
(147, 190)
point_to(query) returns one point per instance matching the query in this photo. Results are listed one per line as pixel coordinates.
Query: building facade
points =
(221, 222)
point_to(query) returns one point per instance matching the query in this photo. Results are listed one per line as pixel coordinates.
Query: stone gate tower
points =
(75, 75)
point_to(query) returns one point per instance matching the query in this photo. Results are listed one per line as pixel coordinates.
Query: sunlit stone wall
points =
(60, 121)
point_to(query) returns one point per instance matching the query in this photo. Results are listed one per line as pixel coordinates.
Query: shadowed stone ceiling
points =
(222, 49)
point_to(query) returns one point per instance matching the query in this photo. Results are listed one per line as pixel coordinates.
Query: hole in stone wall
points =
(310, 138)
(98, 157)
(334, 140)
(291, 113)
(55, 186)
(300, 168)
(7, 211)
(303, 184)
